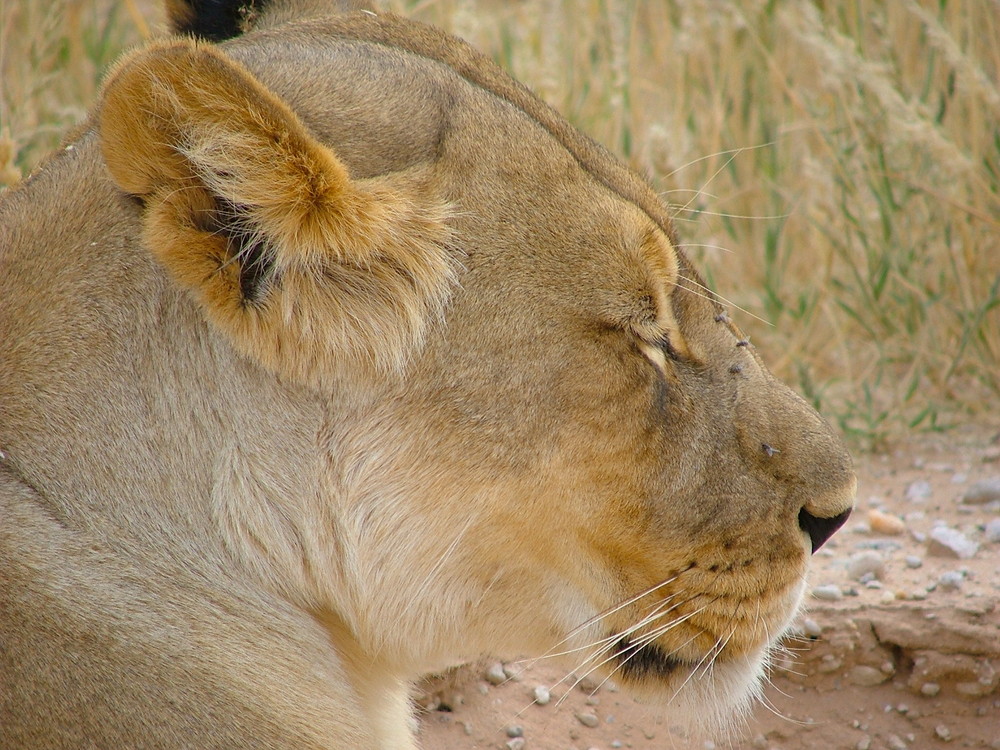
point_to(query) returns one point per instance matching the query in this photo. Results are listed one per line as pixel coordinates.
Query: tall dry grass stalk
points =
(835, 167)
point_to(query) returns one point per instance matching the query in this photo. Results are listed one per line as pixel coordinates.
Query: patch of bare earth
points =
(899, 648)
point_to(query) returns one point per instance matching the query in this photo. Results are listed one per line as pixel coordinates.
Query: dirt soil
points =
(899, 647)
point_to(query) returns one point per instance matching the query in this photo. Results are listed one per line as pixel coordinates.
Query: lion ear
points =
(302, 267)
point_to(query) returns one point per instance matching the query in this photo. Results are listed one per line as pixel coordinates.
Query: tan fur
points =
(329, 356)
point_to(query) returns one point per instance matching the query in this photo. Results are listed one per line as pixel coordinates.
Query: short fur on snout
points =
(324, 345)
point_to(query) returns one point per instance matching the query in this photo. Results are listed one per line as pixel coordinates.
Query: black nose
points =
(820, 529)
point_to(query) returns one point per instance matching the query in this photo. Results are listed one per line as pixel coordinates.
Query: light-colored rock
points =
(827, 592)
(811, 628)
(943, 732)
(951, 580)
(865, 563)
(865, 676)
(930, 689)
(541, 695)
(948, 542)
(913, 562)
(919, 491)
(895, 742)
(982, 492)
(495, 674)
(993, 530)
(587, 719)
(885, 523)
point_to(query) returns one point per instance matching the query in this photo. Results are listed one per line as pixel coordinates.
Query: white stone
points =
(952, 580)
(865, 563)
(919, 491)
(587, 719)
(541, 695)
(993, 530)
(828, 592)
(495, 674)
(811, 628)
(948, 542)
(982, 492)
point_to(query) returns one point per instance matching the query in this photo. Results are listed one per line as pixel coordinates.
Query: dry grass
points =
(835, 167)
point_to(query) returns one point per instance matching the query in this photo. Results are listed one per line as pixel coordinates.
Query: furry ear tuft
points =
(306, 270)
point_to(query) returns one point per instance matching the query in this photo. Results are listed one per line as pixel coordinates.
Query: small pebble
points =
(930, 689)
(587, 719)
(541, 695)
(495, 674)
(884, 523)
(515, 744)
(811, 628)
(948, 542)
(895, 742)
(865, 563)
(993, 530)
(919, 491)
(865, 676)
(982, 492)
(865, 743)
(943, 732)
(951, 580)
(913, 562)
(827, 592)
(514, 730)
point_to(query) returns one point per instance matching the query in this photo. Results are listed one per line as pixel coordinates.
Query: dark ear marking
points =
(248, 248)
(215, 20)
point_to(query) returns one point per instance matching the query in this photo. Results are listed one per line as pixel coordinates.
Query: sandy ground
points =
(899, 647)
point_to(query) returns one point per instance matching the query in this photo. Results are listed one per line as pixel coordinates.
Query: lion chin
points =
(323, 341)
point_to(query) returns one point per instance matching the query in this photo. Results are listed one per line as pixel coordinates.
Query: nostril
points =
(820, 529)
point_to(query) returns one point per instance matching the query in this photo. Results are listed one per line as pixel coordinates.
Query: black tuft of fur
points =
(217, 20)
(638, 661)
(253, 254)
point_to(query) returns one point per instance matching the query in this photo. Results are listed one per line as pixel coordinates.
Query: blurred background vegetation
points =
(834, 168)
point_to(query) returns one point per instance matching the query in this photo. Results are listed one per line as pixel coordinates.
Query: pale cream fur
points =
(329, 357)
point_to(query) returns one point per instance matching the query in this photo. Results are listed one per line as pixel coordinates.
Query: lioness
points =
(321, 346)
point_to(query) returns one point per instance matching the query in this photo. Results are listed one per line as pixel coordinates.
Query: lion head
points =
(330, 356)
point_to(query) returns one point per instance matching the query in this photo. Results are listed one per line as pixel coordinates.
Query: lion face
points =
(512, 417)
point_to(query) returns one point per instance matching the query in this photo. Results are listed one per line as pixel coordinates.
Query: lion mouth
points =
(642, 660)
